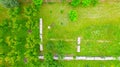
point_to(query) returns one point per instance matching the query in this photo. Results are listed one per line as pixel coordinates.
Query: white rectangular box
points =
(79, 40)
(90, 58)
(68, 58)
(41, 47)
(78, 48)
(80, 58)
(40, 25)
(99, 58)
(41, 57)
(109, 58)
(56, 58)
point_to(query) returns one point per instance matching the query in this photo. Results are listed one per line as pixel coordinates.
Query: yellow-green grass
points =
(91, 63)
(101, 22)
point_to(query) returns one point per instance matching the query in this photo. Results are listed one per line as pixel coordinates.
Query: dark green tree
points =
(37, 2)
(95, 2)
(75, 2)
(9, 3)
(86, 2)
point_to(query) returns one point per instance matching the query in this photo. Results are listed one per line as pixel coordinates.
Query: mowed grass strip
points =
(91, 63)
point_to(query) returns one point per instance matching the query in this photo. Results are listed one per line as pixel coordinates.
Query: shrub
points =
(37, 2)
(94, 2)
(73, 15)
(61, 11)
(9, 3)
(30, 11)
(13, 12)
(59, 48)
(86, 3)
(75, 2)
(89, 2)
(49, 61)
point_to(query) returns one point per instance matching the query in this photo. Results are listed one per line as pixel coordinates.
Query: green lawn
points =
(94, 23)
(91, 63)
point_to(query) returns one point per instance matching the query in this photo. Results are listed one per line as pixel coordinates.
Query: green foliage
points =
(9, 3)
(86, 3)
(75, 2)
(48, 57)
(37, 2)
(50, 45)
(32, 40)
(49, 61)
(73, 15)
(13, 12)
(50, 11)
(13, 55)
(95, 2)
(89, 2)
(59, 49)
(61, 11)
(30, 11)
(32, 50)
(18, 44)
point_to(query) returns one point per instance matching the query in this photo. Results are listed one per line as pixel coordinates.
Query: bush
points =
(30, 11)
(61, 11)
(75, 2)
(49, 61)
(37, 2)
(59, 48)
(94, 2)
(9, 3)
(86, 3)
(73, 15)
(13, 12)
(89, 2)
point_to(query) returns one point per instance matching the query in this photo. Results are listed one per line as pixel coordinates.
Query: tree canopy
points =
(75, 2)
(37, 2)
(9, 3)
